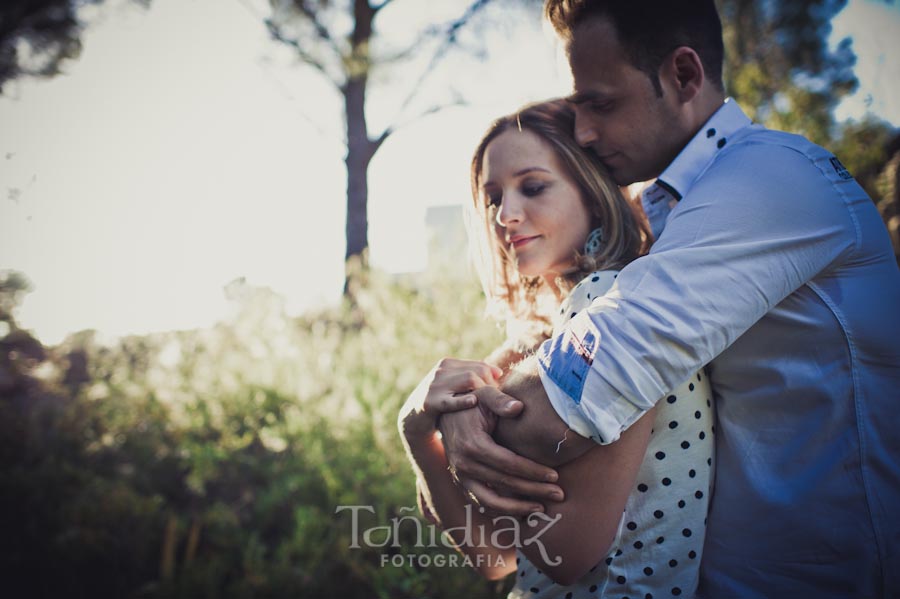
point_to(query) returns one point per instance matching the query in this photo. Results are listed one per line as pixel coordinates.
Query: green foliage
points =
(210, 463)
(778, 64)
(863, 147)
(38, 36)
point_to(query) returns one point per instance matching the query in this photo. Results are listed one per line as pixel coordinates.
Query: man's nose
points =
(585, 132)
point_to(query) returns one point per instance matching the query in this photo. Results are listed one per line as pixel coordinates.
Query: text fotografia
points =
(506, 534)
(454, 560)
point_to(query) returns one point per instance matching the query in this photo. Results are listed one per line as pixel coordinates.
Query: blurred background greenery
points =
(210, 462)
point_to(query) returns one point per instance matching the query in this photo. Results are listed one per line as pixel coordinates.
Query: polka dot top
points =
(657, 550)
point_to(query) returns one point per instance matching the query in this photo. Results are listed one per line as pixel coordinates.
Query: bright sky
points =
(183, 149)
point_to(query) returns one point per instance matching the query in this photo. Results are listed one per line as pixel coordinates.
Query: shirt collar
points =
(659, 198)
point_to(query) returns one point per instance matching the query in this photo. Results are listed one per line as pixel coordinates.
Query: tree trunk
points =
(357, 162)
(360, 148)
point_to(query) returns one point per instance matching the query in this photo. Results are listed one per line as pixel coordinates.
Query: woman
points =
(630, 523)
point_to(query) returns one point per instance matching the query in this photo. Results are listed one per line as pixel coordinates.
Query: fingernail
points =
(512, 405)
(557, 496)
(537, 508)
(552, 477)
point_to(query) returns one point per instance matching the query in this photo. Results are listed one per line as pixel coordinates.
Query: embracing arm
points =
(538, 432)
(445, 504)
(446, 389)
(568, 539)
(732, 249)
(597, 486)
(574, 534)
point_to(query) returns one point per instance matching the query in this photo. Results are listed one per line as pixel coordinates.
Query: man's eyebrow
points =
(582, 97)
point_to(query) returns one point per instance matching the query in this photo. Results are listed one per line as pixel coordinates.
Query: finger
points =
(484, 371)
(502, 459)
(499, 403)
(490, 499)
(538, 491)
(449, 403)
(459, 381)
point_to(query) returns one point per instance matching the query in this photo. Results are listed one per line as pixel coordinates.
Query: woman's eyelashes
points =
(533, 188)
(527, 188)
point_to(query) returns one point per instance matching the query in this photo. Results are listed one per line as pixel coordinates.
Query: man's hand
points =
(485, 468)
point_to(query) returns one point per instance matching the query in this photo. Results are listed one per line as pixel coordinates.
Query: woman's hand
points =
(447, 388)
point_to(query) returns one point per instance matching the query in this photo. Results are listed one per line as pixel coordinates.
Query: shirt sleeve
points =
(740, 242)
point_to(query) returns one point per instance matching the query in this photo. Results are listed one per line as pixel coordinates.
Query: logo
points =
(839, 168)
(506, 533)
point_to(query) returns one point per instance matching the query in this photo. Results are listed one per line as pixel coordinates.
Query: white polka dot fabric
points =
(658, 548)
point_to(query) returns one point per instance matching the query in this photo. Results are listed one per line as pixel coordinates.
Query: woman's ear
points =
(683, 71)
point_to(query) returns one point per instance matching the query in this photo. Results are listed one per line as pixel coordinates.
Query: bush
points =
(211, 463)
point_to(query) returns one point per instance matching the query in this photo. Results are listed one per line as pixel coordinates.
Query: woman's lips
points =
(519, 241)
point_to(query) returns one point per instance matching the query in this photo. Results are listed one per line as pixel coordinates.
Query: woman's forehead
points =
(514, 151)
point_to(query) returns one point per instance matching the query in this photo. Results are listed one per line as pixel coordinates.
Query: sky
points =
(183, 149)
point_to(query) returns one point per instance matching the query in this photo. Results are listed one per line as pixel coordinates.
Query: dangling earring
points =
(594, 242)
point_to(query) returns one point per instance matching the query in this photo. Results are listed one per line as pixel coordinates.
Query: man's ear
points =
(683, 70)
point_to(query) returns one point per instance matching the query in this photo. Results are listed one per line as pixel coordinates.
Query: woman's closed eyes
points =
(528, 188)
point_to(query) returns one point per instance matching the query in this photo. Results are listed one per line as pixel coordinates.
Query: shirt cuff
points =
(583, 400)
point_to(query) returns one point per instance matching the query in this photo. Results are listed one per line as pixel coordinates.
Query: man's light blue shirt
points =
(773, 267)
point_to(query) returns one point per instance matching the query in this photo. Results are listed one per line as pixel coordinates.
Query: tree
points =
(780, 68)
(778, 64)
(38, 36)
(338, 39)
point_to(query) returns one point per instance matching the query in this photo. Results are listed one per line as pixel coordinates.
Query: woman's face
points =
(537, 208)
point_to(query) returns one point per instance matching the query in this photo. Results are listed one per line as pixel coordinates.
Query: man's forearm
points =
(538, 433)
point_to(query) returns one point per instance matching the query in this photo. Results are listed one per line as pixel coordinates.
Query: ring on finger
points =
(453, 474)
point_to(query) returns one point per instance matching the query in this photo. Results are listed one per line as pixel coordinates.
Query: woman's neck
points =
(550, 280)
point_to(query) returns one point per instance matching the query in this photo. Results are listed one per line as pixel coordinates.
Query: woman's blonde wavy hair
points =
(626, 236)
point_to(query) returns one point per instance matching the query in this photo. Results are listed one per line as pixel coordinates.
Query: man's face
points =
(618, 113)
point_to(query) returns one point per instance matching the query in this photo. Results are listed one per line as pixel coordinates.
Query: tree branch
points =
(380, 5)
(305, 56)
(320, 29)
(390, 130)
(427, 34)
(376, 143)
(450, 40)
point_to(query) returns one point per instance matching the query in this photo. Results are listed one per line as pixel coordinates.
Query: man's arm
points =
(538, 433)
(508, 474)
(733, 248)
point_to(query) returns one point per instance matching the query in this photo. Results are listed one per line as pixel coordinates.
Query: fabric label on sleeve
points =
(567, 358)
(657, 203)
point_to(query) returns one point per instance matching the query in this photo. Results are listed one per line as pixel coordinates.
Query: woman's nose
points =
(510, 210)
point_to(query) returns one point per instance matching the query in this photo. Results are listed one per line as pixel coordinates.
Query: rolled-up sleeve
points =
(760, 223)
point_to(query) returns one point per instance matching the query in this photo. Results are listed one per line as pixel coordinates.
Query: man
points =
(772, 266)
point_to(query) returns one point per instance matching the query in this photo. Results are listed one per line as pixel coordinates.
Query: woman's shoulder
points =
(598, 279)
(591, 286)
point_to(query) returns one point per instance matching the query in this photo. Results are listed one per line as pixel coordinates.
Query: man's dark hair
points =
(649, 30)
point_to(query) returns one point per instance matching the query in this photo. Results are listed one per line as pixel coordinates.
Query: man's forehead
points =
(596, 36)
(596, 59)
